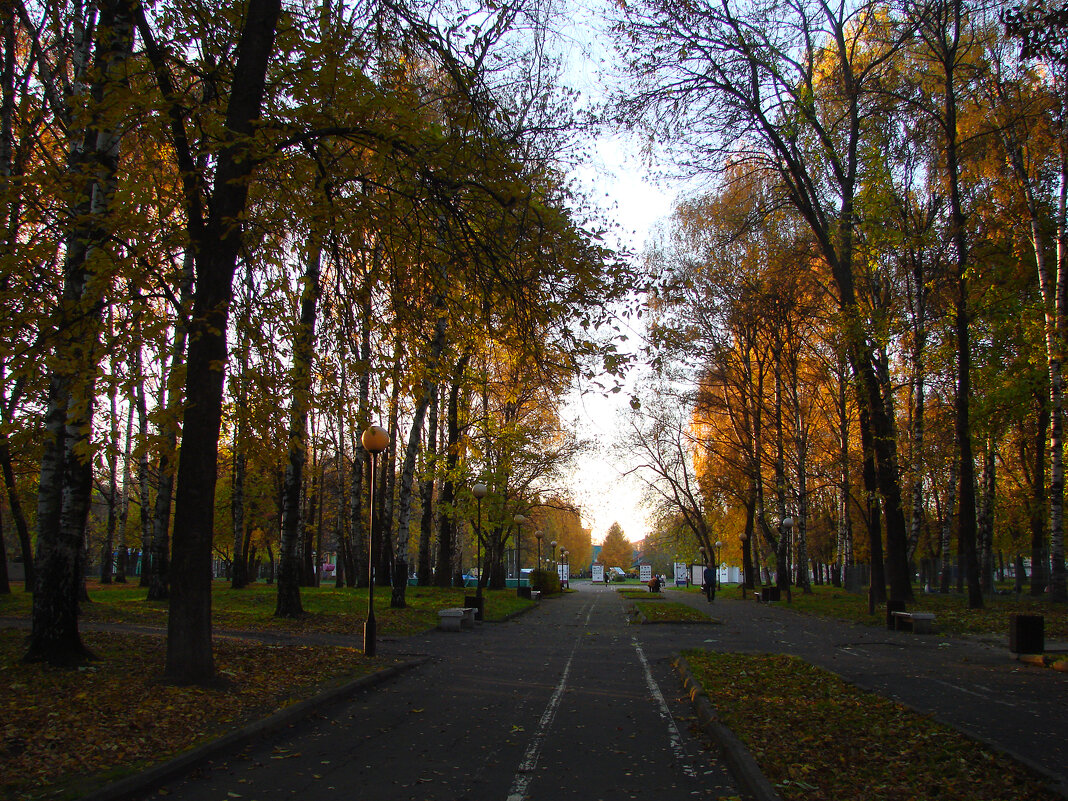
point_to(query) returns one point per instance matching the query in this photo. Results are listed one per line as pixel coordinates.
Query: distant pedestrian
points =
(710, 583)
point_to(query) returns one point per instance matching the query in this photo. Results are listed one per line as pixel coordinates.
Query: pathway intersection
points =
(570, 701)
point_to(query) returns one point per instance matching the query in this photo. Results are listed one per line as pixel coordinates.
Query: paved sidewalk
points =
(561, 703)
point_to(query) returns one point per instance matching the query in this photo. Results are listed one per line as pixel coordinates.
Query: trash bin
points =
(479, 604)
(1027, 634)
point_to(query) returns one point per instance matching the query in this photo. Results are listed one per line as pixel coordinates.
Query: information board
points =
(598, 573)
(645, 573)
(564, 572)
(680, 574)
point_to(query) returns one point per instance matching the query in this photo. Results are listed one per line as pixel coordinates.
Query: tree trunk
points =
(747, 544)
(7, 170)
(159, 565)
(5, 583)
(14, 503)
(415, 436)
(66, 467)
(239, 575)
(986, 513)
(1054, 288)
(113, 488)
(142, 459)
(217, 244)
(447, 530)
(289, 567)
(122, 544)
(1038, 503)
(426, 496)
(875, 538)
(947, 529)
(845, 520)
(782, 554)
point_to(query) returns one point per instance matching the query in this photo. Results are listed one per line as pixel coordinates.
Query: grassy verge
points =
(641, 595)
(66, 732)
(818, 738)
(669, 612)
(952, 615)
(326, 609)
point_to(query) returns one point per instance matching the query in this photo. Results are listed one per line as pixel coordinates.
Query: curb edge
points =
(141, 783)
(743, 766)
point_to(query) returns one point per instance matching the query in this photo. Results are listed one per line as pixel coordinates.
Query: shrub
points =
(546, 581)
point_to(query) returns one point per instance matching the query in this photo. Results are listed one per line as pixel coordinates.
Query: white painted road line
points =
(674, 736)
(525, 772)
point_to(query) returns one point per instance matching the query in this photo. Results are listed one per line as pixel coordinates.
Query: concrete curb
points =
(751, 781)
(141, 783)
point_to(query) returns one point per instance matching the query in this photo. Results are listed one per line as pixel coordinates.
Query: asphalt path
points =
(569, 701)
(572, 701)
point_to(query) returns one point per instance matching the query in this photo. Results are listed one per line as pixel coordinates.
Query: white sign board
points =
(698, 576)
(598, 573)
(564, 572)
(645, 573)
(680, 574)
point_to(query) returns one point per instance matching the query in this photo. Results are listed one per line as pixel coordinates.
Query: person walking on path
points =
(710, 583)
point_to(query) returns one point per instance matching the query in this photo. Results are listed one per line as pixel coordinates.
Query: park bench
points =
(916, 622)
(457, 618)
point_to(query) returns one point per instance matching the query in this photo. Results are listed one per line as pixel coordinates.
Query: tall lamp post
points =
(788, 525)
(553, 543)
(719, 555)
(743, 538)
(538, 536)
(479, 491)
(374, 439)
(519, 521)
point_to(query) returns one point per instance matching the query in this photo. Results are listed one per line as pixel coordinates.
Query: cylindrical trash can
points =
(1027, 634)
(479, 604)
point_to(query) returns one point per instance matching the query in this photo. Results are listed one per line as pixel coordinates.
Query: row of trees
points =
(871, 303)
(234, 237)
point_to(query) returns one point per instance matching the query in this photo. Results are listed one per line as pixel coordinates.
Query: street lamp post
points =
(743, 537)
(719, 555)
(479, 491)
(553, 543)
(538, 536)
(519, 521)
(374, 439)
(788, 525)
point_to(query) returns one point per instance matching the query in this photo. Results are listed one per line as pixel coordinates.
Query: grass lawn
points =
(326, 609)
(669, 612)
(818, 738)
(641, 595)
(952, 615)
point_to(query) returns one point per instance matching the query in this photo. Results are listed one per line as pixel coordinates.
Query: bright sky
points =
(616, 176)
(616, 179)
